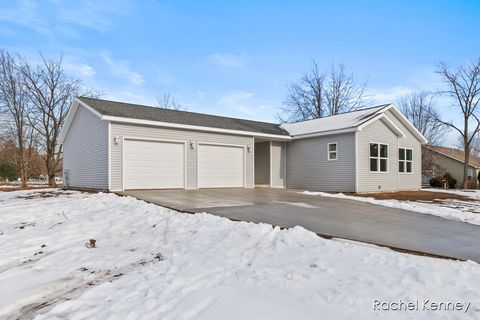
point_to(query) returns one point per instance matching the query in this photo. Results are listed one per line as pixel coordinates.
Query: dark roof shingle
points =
(134, 111)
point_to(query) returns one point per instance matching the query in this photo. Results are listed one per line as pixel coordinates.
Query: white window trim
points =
(336, 151)
(378, 158)
(405, 161)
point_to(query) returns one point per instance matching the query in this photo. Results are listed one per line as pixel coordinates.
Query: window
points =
(378, 157)
(332, 151)
(470, 174)
(405, 160)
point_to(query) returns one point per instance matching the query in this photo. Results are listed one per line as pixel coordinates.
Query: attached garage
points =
(221, 166)
(153, 164)
(117, 146)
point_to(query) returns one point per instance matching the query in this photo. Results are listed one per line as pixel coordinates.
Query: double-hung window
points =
(405, 160)
(332, 151)
(378, 157)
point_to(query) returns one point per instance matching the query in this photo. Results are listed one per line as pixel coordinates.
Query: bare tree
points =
(13, 99)
(318, 94)
(463, 86)
(168, 101)
(419, 107)
(474, 145)
(50, 94)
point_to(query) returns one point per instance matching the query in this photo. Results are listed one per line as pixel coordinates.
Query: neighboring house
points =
(118, 146)
(452, 160)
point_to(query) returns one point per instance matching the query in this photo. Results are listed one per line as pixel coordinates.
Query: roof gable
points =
(341, 122)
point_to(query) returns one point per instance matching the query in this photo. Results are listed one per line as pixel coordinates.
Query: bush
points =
(8, 171)
(452, 183)
(437, 182)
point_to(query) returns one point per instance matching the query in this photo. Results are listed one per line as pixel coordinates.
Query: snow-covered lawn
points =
(154, 263)
(466, 211)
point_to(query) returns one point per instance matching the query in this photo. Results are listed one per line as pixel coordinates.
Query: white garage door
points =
(153, 165)
(220, 166)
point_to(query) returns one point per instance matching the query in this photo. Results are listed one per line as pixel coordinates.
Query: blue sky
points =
(236, 58)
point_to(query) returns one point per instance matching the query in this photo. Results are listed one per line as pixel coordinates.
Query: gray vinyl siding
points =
(262, 163)
(85, 151)
(409, 181)
(148, 132)
(278, 161)
(368, 181)
(308, 166)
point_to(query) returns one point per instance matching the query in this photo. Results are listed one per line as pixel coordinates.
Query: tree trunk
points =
(51, 180)
(466, 160)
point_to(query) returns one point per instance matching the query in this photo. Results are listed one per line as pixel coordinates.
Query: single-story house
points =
(118, 146)
(451, 160)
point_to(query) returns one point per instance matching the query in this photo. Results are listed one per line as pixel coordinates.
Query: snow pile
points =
(466, 211)
(154, 263)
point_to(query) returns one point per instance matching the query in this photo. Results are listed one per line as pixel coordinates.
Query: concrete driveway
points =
(331, 217)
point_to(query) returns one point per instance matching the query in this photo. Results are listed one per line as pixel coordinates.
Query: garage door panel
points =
(220, 166)
(153, 165)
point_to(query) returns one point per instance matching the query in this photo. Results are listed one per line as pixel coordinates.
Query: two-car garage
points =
(153, 164)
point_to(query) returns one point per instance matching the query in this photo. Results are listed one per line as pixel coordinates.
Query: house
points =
(451, 160)
(118, 146)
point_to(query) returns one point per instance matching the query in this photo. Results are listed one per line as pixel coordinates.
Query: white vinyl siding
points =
(411, 181)
(126, 131)
(372, 181)
(85, 151)
(220, 166)
(308, 166)
(154, 164)
(278, 159)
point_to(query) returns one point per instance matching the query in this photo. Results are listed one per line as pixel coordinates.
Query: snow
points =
(465, 211)
(337, 122)
(154, 263)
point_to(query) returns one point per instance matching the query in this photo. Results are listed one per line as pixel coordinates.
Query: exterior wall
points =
(392, 180)
(85, 151)
(308, 166)
(454, 167)
(377, 181)
(262, 163)
(409, 181)
(138, 131)
(278, 164)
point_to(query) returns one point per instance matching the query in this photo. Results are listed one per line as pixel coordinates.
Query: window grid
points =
(332, 151)
(378, 157)
(405, 160)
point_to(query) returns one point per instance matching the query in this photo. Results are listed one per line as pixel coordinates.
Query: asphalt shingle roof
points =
(346, 120)
(135, 111)
(457, 154)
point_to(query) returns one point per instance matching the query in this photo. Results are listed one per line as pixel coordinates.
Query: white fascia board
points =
(323, 133)
(408, 124)
(68, 120)
(193, 127)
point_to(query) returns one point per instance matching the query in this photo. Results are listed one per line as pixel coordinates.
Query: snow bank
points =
(452, 209)
(154, 263)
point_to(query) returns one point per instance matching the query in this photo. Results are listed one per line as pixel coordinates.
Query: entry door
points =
(153, 165)
(221, 166)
